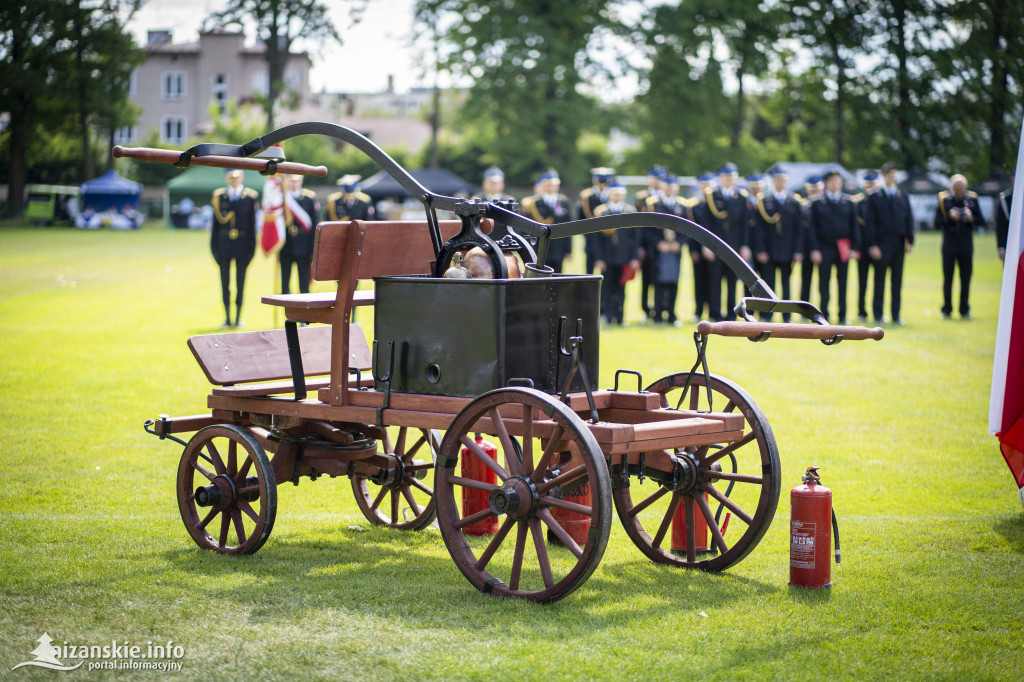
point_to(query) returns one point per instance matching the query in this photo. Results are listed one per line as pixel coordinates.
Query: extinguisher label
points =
(801, 544)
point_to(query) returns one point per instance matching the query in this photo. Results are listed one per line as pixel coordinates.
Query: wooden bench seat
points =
(233, 361)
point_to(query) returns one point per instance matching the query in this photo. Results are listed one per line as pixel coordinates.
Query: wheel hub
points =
(220, 493)
(392, 477)
(685, 472)
(518, 498)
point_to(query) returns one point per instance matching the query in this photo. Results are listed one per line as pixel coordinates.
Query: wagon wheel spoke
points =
(729, 504)
(471, 483)
(730, 448)
(527, 440)
(218, 463)
(568, 506)
(413, 504)
(400, 444)
(474, 518)
(209, 517)
(658, 494)
(495, 543)
(236, 518)
(232, 459)
(691, 530)
(666, 522)
(511, 459)
(517, 559)
(542, 552)
(563, 479)
(248, 490)
(395, 504)
(560, 533)
(244, 505)
(419, 485)
(411, 452)
(380, 498)
(485, 458)
(716, 532)
(244, 471)
(225, 524)
(201, 469)
(546, 457)
(739, 478)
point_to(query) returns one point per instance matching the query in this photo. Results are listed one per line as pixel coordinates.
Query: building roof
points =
(387, 133)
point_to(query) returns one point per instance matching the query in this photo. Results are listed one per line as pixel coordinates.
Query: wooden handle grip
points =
(171, 156)
(785, 330)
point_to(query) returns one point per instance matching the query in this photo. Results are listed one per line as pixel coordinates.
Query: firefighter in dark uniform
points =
(870, 186)
(655, 177)
(590, 199)
(617, 250)
(726, 219)
(957, 215)
(815, 188)
(778, 240)
(664, 250)
(349, 203)
(889, 235)
(700, 255)
(835, 238)
(755, 186)
(550, 207)
(235, 210)
(493, 186)
(1003, 205)
(298, 242)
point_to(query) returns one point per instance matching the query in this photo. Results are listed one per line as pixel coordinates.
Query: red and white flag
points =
(272, 234)
(1006, 407)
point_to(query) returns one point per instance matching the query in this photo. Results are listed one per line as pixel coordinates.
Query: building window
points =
(132, 83)
(173, 129)
(220, 92)
(173, 85)
(126, 134)
(291, 79)
(260, 83)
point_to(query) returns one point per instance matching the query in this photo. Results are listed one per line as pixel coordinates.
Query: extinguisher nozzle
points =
(838, 559)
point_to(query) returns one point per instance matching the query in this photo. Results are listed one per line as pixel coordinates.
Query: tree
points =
(527, 61)
(278, 24)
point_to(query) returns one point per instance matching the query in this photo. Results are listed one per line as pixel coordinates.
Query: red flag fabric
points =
(272, 235)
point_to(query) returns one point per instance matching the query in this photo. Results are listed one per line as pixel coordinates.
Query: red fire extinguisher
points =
(812, 521)
(576, 525)
(474, 500)
(700, 529)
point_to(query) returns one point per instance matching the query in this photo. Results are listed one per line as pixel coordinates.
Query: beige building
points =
(179, 82)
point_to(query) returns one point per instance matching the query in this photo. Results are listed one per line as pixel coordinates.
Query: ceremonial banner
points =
(1006, 406)
(272, 235)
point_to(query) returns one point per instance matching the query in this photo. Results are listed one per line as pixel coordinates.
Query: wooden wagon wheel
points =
(405, 501)
(741, 478)
(227, 493)
(551, 435)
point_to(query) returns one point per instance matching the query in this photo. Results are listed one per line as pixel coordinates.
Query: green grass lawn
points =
(92, 548)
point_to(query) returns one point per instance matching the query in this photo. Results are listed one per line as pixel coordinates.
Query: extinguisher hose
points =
(728, 491)
(835, 534)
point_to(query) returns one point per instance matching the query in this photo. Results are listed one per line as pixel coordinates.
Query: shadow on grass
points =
(409, 577)
(1011, 528)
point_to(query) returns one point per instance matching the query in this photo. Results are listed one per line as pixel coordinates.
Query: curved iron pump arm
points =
(763, 299)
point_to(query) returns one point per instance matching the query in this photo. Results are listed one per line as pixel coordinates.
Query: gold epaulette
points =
(770, 219)
(943, 195)
(221, 218)
(587, 193)
(690, 203)
(251, 193)
(721, 215)
(650, 202)
(857, 198)
(220, 190)
(529, 205)
(743, 192)
(585, 202)
(360, 196)
(972, 194)
(600, 210)
(308, 193)
(800, 199)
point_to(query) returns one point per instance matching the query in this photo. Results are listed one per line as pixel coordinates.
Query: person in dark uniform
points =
(617, 250)
(493, 186)
(889, 236)
(700, 255)
(778, 239)
(664, 250)
(815, 188)
(655, 177)
(299, 220)
(726, 219)
(349, 203)
(864, 263)
(551, 208)
(1004, 202)
(755, 186)
(835, 238)
(590, 199)
(233, 238)
(957, 215)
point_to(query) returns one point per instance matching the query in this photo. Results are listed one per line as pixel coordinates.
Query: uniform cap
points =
(870, 176)
(494, 172)
(813, 180)
(705, 177)
(671, 179)
(778, 170)
(657, 172)
(728, 168)
(615, 184)
(549, 174)
(231, 173)
(349, 182)
(755, 177)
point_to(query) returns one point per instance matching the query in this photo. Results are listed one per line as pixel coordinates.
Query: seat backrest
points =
(386, 248)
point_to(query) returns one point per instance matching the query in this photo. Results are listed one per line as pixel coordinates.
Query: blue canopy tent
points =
(110, 191)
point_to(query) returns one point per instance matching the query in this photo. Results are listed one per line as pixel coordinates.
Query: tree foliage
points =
(278, 24)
